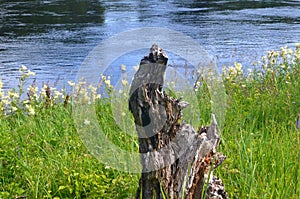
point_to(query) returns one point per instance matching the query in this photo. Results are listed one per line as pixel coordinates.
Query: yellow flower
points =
(1, 84)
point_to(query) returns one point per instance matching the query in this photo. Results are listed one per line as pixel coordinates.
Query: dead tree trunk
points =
(176, 160)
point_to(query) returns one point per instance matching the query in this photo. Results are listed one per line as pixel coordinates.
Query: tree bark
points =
(176, 159)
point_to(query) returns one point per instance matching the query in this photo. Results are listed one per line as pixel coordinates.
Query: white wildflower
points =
(71, 83)
(14, 109)
(57, 94)
(30, 73)
(123, 67)
(23, 68)
(124, 82)
(12, 94)
(30, 109)
(86, 122)
(238, 66)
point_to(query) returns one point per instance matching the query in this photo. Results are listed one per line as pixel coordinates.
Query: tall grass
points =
(42, 155)
(260, 137)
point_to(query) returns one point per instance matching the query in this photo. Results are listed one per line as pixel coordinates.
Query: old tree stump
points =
(176, 159)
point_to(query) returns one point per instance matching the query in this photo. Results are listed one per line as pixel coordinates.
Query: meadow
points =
(42, 155)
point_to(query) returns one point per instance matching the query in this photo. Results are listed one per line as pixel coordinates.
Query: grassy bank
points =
(42, 156)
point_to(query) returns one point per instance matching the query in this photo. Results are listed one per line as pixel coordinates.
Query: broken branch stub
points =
(175, 158)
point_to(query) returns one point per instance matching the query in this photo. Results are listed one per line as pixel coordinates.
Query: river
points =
(52, 38)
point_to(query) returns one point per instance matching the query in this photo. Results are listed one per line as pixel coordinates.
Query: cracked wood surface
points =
(175, 158)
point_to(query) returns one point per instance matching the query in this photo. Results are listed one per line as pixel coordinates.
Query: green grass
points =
(42, 155)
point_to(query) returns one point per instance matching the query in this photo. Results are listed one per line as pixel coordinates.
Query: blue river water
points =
(52, 38)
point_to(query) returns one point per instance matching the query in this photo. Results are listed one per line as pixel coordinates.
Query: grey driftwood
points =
(176, 159)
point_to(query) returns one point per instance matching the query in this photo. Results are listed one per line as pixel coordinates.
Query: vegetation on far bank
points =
(42, 155)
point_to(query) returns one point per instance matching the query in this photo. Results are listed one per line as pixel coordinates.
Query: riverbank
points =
(42, 155)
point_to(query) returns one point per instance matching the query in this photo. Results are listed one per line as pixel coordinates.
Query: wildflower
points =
(30, 109)
(265, 67)
(30, 73)
(273, 61)
(86, 122)
(98, 96)
(25, 101)
(5, 101)
(238, 66)
(57, 94)
(12, 94)
(264, 59)
(1, 84)
(71, 83)
(124, 82)
(82, 83)
(32, 91)
(92, 89)
(283, 51)
(107, 82)
(232, 71)
(14, 109)
(23, 68)
(123, 67)
(86, 99)
(43, 90)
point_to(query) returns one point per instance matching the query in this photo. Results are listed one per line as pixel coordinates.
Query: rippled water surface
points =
(52, 38)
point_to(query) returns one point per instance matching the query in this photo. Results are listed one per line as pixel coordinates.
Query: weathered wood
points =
(174, 157)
